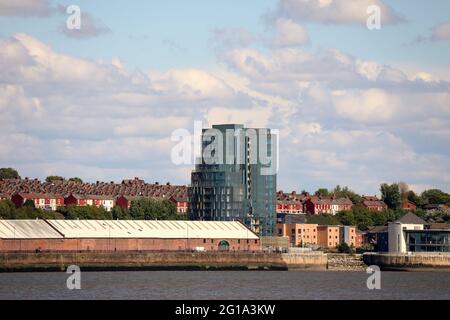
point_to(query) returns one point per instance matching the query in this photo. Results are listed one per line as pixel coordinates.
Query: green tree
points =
(346, 193)
(54, 178)
(150, 209)
(344, 248)
(7, 209)
(9, 173)
(435, 196)
(118, 213)
(323, 219)
(390, 194)
(29, 203)
(322, 192)
(346, 218)
(76, 179)
(414, 198)
(72, 212)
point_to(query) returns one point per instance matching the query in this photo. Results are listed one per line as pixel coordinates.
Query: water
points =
(254, 285)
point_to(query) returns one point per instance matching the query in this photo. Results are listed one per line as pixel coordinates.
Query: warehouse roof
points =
(152, 229)
(27, 229)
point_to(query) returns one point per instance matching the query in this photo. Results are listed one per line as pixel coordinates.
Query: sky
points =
(354, 106)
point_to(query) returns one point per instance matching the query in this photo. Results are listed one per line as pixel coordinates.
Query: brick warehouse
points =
(125, 235)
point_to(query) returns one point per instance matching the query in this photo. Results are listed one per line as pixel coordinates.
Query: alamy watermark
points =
(74, 20)
(374, 19)
(233, 146)
(74, 280)
(374, 280)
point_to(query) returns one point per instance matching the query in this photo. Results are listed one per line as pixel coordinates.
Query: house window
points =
(204, 240)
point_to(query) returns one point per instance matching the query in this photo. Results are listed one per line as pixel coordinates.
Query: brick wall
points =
(10, 245)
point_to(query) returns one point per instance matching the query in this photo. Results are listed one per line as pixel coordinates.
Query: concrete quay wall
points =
(52, 261)
(409, 262)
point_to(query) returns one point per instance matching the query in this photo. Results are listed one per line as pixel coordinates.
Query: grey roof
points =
(411, 218)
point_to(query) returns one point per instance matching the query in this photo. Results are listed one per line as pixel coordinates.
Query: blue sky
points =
(374, 106)
(174, 33)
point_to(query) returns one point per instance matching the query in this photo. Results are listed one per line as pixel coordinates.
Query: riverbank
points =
(123, 261)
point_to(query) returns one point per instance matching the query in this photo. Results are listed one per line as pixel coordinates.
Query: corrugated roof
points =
(27, 229)
(152, 229)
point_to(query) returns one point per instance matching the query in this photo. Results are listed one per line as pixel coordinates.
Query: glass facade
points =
(233, 180)
(428, 240)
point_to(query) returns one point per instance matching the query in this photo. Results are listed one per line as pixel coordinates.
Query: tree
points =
(346, 193)
(9, 173)
(390, 194)
(118, 213)
(73, 212)
(29, 203)
(344, 248)
(7, 209)
(414, 198)
(54, 178)
(322, 192)
(435, 196)
(150, 209)
(76, 179)
(347, 218)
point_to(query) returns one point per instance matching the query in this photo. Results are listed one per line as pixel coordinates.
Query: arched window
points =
(224, 245)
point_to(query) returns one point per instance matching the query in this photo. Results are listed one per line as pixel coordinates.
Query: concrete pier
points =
(409, 262)
(52, 261)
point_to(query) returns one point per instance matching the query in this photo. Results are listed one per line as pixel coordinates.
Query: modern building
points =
(299, 234)
(125, 235)
(398, 232)
(412, 234)
(377, 237)
(348, 235)
(328, 236)
(236, 177)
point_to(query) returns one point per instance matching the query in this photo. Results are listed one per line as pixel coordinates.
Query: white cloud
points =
(89, 27)
(343, 120)
(334, 11)
(288, 33)
(38, 8)
(441, 32)
(255, 117)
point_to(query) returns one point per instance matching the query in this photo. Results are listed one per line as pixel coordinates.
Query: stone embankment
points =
(409, 262)
(53, 261)
(346, 262)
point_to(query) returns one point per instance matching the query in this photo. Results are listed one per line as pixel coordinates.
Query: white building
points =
(397, 234)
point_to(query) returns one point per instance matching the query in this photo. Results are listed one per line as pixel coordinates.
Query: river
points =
(254, 285)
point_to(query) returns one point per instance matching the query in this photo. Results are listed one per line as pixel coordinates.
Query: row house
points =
(408, 205)
(289, 206)
(107, 202)
(316, 205)
(125, 201)
(40, 200)
(341, 204)
(373, 203)
(181, 203)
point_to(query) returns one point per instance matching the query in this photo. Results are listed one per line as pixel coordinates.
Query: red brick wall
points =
(124, 244)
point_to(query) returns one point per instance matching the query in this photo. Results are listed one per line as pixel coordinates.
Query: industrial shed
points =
(125, 235)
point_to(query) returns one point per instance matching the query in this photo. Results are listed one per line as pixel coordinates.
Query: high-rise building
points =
(235, 178)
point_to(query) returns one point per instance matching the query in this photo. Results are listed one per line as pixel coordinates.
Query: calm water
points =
(254, 285)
